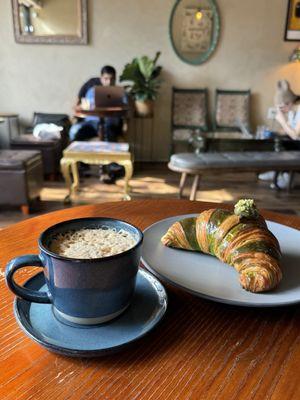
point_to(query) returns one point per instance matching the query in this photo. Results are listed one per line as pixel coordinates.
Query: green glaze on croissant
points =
(240, 239)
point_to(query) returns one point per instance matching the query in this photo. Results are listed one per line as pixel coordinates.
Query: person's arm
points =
(82, 93)
(293, 133)
(76, 106)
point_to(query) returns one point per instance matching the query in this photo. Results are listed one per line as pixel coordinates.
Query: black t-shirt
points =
(89, 84)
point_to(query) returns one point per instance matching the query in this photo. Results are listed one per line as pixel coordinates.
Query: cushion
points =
(182, 134)
(251, 159)
(32, 140)
(190, 108)
(17, 159)
(232, 108)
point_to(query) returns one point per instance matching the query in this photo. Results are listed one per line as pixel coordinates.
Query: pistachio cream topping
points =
(246, 208)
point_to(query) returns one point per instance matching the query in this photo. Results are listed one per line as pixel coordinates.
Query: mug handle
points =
(26, 294)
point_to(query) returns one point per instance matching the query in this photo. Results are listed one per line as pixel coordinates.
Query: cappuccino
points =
(92, 243)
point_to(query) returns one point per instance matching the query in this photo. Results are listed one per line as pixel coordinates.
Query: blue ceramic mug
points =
(82, 291)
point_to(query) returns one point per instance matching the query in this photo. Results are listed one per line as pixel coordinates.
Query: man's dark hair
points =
(108, 69)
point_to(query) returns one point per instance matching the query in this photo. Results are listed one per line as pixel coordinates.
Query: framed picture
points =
(292, 26)
(196, 33)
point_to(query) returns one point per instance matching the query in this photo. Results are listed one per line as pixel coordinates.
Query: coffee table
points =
(99, 153)
(201, 350)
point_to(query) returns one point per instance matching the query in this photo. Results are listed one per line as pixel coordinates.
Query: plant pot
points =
(144, 108)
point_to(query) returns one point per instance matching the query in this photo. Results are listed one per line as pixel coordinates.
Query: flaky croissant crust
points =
(244, 243)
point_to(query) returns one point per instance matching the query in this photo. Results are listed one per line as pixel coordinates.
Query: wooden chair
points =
(232, 108)
(189, 114)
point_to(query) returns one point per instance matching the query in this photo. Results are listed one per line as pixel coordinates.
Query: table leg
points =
(128, 174)
(194, 187)
(75, 173)
(182, 183)
(65, 170)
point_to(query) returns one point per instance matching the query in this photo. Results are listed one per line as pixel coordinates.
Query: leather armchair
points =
(51, 149)
(57, 119)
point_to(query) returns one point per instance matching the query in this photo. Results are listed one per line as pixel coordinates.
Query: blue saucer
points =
(148, 306)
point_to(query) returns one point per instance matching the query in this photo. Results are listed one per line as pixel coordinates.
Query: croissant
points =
(240, 238)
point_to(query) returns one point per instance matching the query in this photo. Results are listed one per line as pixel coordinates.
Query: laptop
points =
(110, 96)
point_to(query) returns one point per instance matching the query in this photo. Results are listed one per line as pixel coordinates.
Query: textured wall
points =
(251, 54)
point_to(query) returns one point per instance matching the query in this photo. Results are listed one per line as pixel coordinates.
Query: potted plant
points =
(143, 73)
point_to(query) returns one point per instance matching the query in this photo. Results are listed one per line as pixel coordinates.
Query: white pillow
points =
(47, 131)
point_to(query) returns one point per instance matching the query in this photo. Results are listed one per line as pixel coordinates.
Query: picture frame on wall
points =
(292, 25)
(196, 34)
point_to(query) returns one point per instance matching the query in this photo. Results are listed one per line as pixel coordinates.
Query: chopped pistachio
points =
(246, 208)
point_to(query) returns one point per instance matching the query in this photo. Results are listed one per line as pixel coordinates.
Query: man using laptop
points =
(107, 128)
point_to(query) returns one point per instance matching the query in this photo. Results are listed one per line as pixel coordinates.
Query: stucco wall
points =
(64, 22)
(251, 54)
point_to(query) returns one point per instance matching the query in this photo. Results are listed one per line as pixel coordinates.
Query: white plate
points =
(206, 276)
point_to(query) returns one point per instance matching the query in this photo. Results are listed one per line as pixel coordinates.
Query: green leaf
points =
(146, 67)
(142, 72)
(156, 72)
(157, 55)
(130, 72)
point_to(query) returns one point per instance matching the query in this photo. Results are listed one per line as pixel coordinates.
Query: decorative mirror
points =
(50, 21)
(194, 29)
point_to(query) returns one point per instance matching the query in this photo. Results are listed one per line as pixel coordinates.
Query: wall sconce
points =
(198, 15)
(295, 56)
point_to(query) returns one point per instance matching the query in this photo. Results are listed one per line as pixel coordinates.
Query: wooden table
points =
(91, 153)
(102, 112)
(201, 350)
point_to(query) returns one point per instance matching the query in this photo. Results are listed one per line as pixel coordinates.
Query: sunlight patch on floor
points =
(152, 179)
(53, 194)
(215, 195)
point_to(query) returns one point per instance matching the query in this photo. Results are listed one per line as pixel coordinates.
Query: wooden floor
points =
(158, 182)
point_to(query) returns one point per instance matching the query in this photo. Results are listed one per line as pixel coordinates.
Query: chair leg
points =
(182, 183)
(195, 187)
(25, 209)
(291, 179)
(275, 180)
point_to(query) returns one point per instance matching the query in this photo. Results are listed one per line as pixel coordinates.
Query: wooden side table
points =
(94, 153)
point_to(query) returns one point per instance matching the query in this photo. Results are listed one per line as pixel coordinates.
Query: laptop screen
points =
(110, 96)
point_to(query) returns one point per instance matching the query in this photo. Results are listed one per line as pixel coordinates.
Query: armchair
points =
(51, 149)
